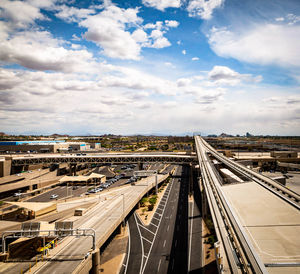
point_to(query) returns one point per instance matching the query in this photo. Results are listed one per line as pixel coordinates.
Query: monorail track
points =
(240, 254)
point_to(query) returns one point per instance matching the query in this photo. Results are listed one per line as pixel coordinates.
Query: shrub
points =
(150, 207)
(143, 201)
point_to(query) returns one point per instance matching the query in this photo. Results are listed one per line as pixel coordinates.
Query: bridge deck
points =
(272, 224)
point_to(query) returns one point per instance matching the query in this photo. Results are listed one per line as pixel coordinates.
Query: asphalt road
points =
(172, 241)
(162, 246)
(61, 191)
(195, 230)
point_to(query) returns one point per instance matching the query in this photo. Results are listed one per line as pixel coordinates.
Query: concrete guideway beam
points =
(230, 232)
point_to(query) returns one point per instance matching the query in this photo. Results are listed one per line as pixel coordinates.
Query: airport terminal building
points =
(45, 146)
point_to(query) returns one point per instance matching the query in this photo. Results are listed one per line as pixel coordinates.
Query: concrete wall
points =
(5, 167)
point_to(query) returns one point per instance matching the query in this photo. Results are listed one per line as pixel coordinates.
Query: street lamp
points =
(148, 173)
(123, 209)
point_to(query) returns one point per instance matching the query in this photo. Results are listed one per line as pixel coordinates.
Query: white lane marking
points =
(147, 229)
(155, 218)
(168, 227)
(142, 260)
(154, 224)
(128, 248)
(165, 243)
(146, 240)
(191, 233)
(157, 228)
(158, 265)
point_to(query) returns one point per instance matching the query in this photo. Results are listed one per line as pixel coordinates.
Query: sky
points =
(150, 67)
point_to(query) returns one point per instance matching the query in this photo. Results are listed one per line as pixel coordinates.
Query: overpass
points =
(73, 254)
(257, 222)
(168, 158)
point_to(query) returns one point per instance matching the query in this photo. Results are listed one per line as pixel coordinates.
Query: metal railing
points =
(79, 232)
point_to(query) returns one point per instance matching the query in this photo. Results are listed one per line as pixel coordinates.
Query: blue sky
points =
(150, 66)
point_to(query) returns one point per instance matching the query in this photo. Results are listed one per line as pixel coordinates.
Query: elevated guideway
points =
(257, 222)
(168, 158)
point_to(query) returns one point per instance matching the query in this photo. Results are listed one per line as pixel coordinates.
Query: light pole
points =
(148, 173)
(123, 209)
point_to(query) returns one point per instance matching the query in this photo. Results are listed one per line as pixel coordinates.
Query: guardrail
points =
(238, 251)
(286, 194)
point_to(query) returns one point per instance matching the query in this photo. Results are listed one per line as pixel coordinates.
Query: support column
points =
(5, 166)
(95, 261)
(191, 179)
(72, 169)
(205, 205)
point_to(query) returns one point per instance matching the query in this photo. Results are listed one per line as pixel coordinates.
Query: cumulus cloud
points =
(40, 51)
(19, 13)
(262, 44)
(112, 28)
(208, 97)
(162, 4)
(195, 58)
(108, 30)
(203, 8)
(172, 23)
(183, 82)
(226, 76)
(184, 52)
(72, 14)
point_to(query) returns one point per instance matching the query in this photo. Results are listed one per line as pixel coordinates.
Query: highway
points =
(150, 246)
(104, 218)
(168, 244)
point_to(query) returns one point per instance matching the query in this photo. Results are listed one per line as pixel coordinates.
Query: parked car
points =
(17, 194)
(53, 196)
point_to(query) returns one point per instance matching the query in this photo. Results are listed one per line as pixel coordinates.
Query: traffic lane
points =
(167, 229)
(195, 230)
(135, 254)
(179, 252)
(45, 197)
(159, 257)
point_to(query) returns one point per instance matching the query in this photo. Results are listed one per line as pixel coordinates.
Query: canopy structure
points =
(38, 208)
(82, 178)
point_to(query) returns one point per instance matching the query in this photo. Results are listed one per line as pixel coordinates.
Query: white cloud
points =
(158, 25)
(195, 58)
(263, 44)
(140, 36)
(72, 14)
(292, 19)
(158, 40)
(184, 52)
(172, 23)
(182, 82)
(40, 51)
(19, 13)
(43, 4)
(203, 8)
(169, 64)
(209, 96)
(162, 4)
(108, 30)
(112, 30)
(225, 76)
